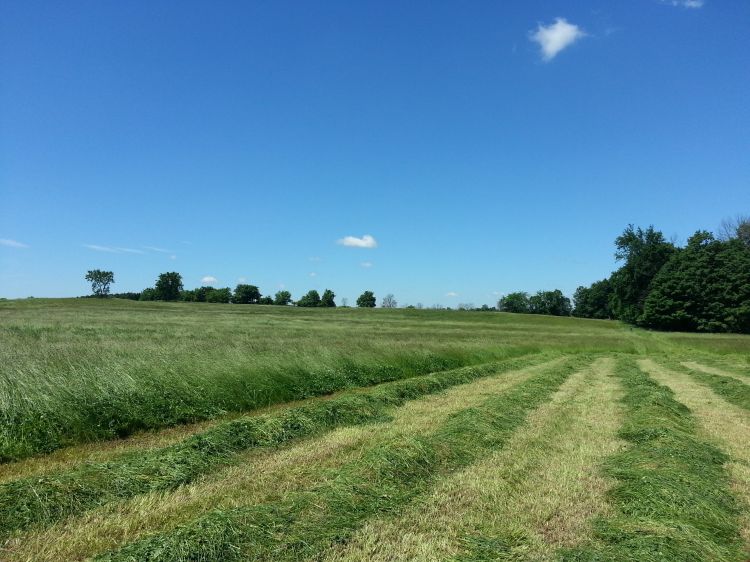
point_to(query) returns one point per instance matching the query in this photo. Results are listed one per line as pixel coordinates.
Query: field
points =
(152, 431)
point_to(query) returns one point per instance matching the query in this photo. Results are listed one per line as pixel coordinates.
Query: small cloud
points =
(12, 243)
(313, 274)
(173, 257)
(208, 279)
(241, 279)
(129, 251)
(685, 3)
(315, 259)
(496, 293)
(366, 241)
(98, 248)
(555, 37)
(155, 249)
(281, 285)
(451, 294)
(366, 264)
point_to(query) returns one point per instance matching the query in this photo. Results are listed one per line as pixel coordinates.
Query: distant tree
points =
(593, 301)
(189, 295)
(465, 306)
(644, 252)
(168, 286)
(514, 302)
(420, 306)
(345, 302)
(246, 294)
(389, 301)
(282, 298)
(148, 294)
(202, 292)
(704, 287)
(266, 300)
(127, 296)
(100, 281)
(366, 300)
(327, 299)
(736, 228)
(312, 298)
(219, 295)
(550, 302)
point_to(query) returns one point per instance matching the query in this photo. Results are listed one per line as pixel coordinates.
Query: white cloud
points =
(685, 3)
(366, 241)
(313, 274)
(155, 249)
(12, 243)
(314, 259)
(129, 251)
(451, 294)
(555, 37)
(208, 279)
(173, 257)
(366, 264)
(111, 249)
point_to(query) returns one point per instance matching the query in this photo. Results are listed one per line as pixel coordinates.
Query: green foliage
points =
(311, 299)
(550, 302)
(366, 300)
(594, 301)
(703, 287)
(100, 281)
(168, 286)
(127, 296)
(223, 296)
(327, 299)
(515, 302)
(246, 294)
(266, 300)
(148, 294)
(282, 298)
(644, 253)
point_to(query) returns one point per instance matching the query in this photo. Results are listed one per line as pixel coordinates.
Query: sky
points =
(446, 152)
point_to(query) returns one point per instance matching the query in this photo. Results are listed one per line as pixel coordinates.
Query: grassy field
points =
(152, 431)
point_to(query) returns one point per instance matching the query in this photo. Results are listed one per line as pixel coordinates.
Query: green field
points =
(152, 431)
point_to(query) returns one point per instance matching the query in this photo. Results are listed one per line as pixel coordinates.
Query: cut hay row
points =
(733, 389)
(256, 477)
(725, 424)
(732, 370)
(43, 499)
(382, 479)
(521, 503)
(673, 497)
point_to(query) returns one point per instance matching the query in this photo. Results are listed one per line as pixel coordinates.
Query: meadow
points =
(137, 431)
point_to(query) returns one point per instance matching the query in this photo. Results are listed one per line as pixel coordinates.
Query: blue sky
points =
(486, 148)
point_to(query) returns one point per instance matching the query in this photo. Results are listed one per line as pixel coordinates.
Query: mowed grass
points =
(366, 435)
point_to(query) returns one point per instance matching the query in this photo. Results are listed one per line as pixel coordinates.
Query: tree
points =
(100, 281)
(704, 287)
(219, 295)
(389, 301)
(312, 298)
(148, 294)
(168, 286)
(736, 228)
(266, 300)
(202, 292)
(514, 302)
(366, 300)
(282, 298)
(550, 302)
(327, 299)
(246, 294)
(593, 301)
(644, 253)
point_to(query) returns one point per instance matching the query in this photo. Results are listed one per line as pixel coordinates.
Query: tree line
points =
(703, 286)
(169, 288)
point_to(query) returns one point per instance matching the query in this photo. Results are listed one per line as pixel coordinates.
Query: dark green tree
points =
(311, 299)
(514, 302)
(644, 252)
(282, 298)
(219, 295)
(366, 300)
(266, 300)
(168, 286)
(593, 301)
(100, 281)
(327, 299)
(148, 294)
(246, 294)
(550, 302)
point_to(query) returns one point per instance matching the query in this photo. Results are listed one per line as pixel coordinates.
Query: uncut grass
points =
(725, 424)
(737, 373)
(75, 371)
(521, 503)
(733, 389)
(43, 499)
(257, 477)
(673, 498)
(383, 479)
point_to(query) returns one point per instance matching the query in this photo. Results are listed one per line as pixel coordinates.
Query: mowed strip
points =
(383, 478)
(736, 373)
(673, 498)
(732, 388)
(538, 493)
(256, 476)
(724, 423)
